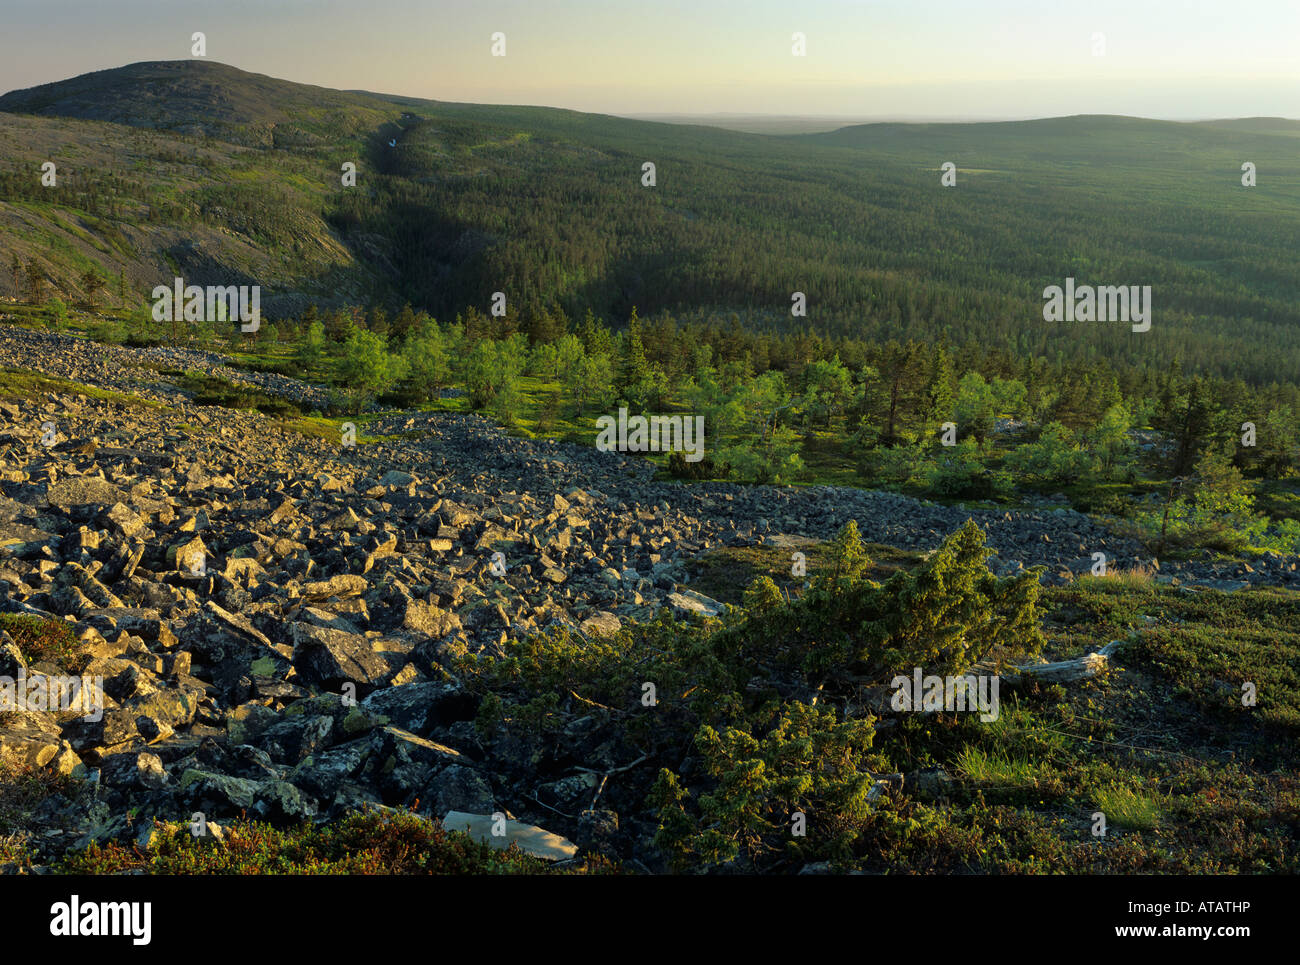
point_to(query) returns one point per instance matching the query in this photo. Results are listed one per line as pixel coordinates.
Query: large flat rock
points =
(532, 840)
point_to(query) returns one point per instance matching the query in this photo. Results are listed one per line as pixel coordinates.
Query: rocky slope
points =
(271, 613)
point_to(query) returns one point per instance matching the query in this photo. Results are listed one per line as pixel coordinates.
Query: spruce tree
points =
(634, 370)
(310, 316)
(596, 337)
(402, 323)
(92, 283)
(1195, 416)
(377, 321)
(901, 391)
(942, 391)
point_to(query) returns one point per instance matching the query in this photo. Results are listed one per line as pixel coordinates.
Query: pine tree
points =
(35, 284)
(543, 325)
(312, 347)
(337, 325)
(377, 321)
(1195, 416)
(403, 323)
(596, 337)
(634, 370)
(942, 391)
(477, 325)
(733, 344)
(92, 283)
(899, 395)
(310, 317)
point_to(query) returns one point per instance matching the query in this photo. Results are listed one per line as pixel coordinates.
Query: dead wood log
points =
(1063, 671)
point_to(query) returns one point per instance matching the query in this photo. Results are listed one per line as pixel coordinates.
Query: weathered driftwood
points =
(1063, 671)
(879, 699)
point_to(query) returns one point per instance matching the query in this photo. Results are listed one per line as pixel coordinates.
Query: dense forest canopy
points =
(524, 264)
(454, 202)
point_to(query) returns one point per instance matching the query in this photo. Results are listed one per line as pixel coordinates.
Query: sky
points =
(922, 59)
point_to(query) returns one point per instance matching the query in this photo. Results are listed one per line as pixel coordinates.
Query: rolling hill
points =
(198, 168)
(204, 99)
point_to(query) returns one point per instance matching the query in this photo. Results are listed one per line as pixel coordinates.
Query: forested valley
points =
(834, 311)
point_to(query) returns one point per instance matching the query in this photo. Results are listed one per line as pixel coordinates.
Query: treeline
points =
(784, 392)
(464, 201)
(104, 195)
(1182, 457)
(738, 225)
(30, 279)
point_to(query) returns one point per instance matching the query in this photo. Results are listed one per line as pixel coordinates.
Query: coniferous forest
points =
(366, 587)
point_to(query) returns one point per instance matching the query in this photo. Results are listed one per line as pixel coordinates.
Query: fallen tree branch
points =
(608, 774)
(571, 817)
(593, 703)
(1064, 671)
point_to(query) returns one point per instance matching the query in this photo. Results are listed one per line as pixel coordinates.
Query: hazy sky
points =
(918, 58)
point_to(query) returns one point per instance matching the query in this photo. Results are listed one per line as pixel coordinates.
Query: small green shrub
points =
(809, 767)
(38, 638)
(364, 842)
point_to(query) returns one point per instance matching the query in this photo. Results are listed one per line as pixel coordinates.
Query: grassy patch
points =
(829, 460)
(211, 390)
(318, 427)
(997, 768)
(39, 639)
(367, 842)
(1128, 808)
(20, 384)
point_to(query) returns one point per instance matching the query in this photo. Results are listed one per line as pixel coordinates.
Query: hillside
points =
(291, 631)
(363, 578)
(187, 167)
(205, 99)
(141, 206)
(237, 177)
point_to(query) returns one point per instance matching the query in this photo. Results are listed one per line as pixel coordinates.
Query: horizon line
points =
(658, 116)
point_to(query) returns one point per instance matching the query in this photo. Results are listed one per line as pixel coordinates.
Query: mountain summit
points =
(203, 98)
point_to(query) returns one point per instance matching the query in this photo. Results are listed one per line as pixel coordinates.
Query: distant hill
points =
(1257, 125)
(1082, 137)
(206, 99)
(757, 123)
(164, 169)
(221, 175)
